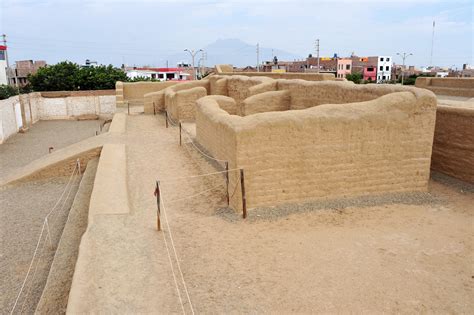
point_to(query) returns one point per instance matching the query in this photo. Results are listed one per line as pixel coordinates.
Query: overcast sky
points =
(145, 31)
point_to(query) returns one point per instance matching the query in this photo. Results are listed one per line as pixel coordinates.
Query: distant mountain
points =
(235, 52)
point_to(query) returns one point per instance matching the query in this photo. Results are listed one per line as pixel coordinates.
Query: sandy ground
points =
(24, 206)
(23, 148)
(394, 255)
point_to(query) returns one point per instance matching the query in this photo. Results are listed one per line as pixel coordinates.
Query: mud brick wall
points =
(238, 88)
(287, 75)
(448, 86)
(272, 101)
(180, 99)
(328, 151)
(134, 92)
(453, 147)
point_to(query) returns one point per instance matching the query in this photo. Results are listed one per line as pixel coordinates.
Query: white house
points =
(384, 68)
(161, 74)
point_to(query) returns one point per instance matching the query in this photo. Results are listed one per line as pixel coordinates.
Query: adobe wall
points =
(447, 86)
(335, 150)
(134, 92)
(453, 147)
(8, 122)
(53, 105)
(286, 75)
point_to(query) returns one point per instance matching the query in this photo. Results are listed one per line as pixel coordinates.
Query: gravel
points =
(278, 212)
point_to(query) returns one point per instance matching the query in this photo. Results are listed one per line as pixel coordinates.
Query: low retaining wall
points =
(447, 86)
(341, 148)
(23, 111)
(453, 147)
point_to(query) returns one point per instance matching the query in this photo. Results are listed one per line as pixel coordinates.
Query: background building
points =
(161, 74)
(3, 65)
(384, 68)
(344, 67)
(19, 74)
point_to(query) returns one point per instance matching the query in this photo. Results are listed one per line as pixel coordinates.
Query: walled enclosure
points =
(52, 105)
(311, 140)
(447, 86)
(179, 100)
(453, 147)
(134, 92)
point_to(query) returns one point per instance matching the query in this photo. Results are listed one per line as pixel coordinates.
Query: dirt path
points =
(388, 257)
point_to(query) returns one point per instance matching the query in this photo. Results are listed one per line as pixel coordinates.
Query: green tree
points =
(7, 91)
(69, 76)
(354, 77)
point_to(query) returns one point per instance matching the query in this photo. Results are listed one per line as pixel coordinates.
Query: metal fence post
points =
(154, 109)
(166, 116)
(128, 107)
(244, 199)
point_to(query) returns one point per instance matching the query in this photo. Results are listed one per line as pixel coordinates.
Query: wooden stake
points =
(180, 133)
(128, 106)
(227, 180)
(158, 203)
(154, 109)
(244, 199)
(166, 116)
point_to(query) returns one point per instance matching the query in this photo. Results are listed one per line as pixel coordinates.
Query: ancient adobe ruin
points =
(300, 141)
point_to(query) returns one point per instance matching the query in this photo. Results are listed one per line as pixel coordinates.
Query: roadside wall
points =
(329, 151)
(447, 86)
(453, 147)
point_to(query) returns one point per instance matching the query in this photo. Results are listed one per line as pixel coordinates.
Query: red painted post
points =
(158, 203)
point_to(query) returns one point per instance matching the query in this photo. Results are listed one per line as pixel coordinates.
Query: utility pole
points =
(258, 57)
(204, 58)
(404, 56)
(193, 54)
(317, 51)
(4, 38)
(432, 44)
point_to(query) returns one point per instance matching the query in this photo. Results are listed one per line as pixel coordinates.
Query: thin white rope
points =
(199, 175)
(29, 269)
(170, 120)
(34, 276)
(176, 255)
(192, 196)
(39, 241)
(174, 275)
(203, 153)
(62, 194)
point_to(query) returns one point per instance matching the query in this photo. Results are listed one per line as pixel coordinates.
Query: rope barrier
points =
(203, 153)
(176, 255)
(199, 175)
(43, 228)
(171, 121)
(192, 196)
(174, 275)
